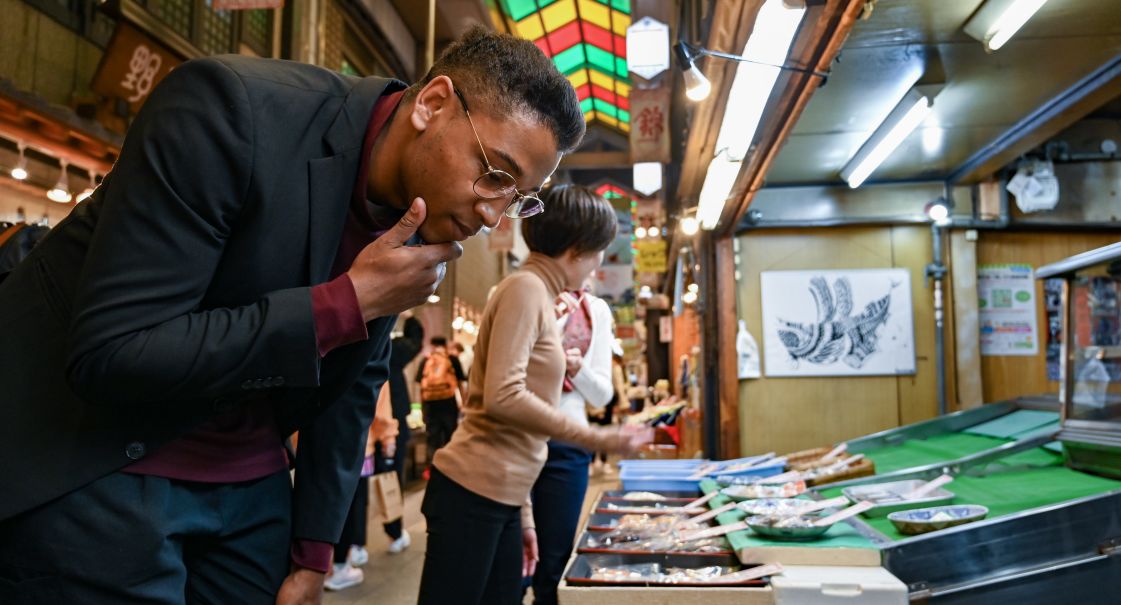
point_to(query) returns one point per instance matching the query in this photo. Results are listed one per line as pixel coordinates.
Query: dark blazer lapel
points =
(332, 178)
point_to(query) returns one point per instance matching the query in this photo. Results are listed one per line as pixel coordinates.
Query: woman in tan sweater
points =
(481, 538)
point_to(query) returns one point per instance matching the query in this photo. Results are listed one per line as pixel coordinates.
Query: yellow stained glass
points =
(625, 127)
(606, 119)
(578, 78)
(558, 14)
(530, 28)
(620, 22)
(589, 116)
(596, 13)
(623, 90)
(599, 79)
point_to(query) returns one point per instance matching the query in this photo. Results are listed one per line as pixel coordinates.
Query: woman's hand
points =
(386, 431)
(529, 552)
(573, 361)
(629, 438)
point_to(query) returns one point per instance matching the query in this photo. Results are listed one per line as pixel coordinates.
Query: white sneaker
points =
(400, 544)
(357, 556)
(343, 576)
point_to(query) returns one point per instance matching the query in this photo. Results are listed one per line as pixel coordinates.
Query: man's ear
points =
(433, 99)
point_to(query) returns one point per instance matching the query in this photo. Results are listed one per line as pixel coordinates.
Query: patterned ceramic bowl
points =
(923, 520)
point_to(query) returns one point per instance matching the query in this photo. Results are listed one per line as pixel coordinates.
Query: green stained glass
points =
(621, 69)
(586, 105)
(569, 60)
(544, 3)
(605, 108)
(519, 9)
(623, 6)
(624, 116)
(601, 59)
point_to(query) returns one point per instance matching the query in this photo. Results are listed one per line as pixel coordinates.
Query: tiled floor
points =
(394, 579)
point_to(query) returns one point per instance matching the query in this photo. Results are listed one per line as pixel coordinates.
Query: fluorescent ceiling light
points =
(775, 28)
(998, 20)
(770, 41)
(721, 176)
(907, 115)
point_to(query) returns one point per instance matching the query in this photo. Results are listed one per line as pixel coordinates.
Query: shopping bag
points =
(387, 496)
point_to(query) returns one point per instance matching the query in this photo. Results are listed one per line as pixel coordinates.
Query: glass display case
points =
(1090, 357)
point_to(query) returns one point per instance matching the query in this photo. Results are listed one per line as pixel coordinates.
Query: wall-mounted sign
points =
(1006, 305)
(650, 255)
(132, 66)
(650, 141)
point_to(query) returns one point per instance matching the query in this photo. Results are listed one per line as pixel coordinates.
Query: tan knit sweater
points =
(514, 388)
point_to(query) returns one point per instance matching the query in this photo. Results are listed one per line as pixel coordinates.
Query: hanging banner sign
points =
(132, 66)
(650, 140)
(1007, 309)
(240, 5)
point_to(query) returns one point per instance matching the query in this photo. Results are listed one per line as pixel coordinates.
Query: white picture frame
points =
(849, 322)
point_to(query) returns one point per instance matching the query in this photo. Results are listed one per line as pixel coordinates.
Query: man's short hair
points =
(438, 341)
(575, 218)
(503, 74)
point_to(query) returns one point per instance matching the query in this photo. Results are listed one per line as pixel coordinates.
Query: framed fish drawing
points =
(852, 322)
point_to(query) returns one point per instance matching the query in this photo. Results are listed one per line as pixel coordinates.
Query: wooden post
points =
(727, 319)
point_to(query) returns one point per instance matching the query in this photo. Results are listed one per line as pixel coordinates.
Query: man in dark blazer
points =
(234, 278)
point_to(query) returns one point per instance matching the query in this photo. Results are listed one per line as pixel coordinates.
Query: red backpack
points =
(438, 380)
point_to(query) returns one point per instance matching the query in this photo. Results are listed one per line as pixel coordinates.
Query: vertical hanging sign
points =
(132, 66)
(650, 140)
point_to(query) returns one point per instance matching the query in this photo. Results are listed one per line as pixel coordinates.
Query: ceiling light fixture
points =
(88, 191)
(61, 191)
(998, 20)
(762, 60)
(640, 232)
(767, 47)
(689, 225)
(939, 211)
(434, 298)
(911, 110)
(19, 173)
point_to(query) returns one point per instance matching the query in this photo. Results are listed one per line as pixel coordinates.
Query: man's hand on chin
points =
(301, 587)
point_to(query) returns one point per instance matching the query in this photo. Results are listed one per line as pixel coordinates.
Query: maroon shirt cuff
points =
(338, 318)
(312, 555)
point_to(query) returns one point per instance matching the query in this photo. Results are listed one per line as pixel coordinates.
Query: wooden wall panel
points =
(785, 414)
(1012, 376)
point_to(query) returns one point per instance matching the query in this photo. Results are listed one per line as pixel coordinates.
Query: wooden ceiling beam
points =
(585, 160)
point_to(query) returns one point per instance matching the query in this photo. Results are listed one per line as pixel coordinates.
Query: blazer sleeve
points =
(329, 459)
(138, 333)
(593, 381)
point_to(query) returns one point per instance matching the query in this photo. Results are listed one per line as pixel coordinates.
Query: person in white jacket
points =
(587, 327)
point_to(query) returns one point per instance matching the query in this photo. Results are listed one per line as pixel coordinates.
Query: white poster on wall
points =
(852, 322)
(1006, 302)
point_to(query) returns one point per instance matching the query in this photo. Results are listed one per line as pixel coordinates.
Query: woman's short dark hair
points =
(504, 74)
(575, 219)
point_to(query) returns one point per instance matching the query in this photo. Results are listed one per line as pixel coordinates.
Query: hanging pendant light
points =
(19, 173)
(61, 191)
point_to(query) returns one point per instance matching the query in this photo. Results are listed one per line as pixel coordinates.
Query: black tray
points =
(580, 571)
(582, 547)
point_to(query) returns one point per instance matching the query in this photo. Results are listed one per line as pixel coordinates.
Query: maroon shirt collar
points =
(374, 217)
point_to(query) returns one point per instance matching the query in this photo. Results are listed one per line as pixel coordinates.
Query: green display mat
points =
(1011, 490)
(841, 535)
(1009, 426)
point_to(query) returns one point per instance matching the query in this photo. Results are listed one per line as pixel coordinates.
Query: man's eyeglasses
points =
(494, 183)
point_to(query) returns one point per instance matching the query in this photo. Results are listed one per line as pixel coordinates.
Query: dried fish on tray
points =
(657, 574)
(765, 490)
(654, 533)
(787, 507)
(643, 497)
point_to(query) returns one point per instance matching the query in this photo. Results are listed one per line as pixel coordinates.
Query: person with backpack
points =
(440, 376)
